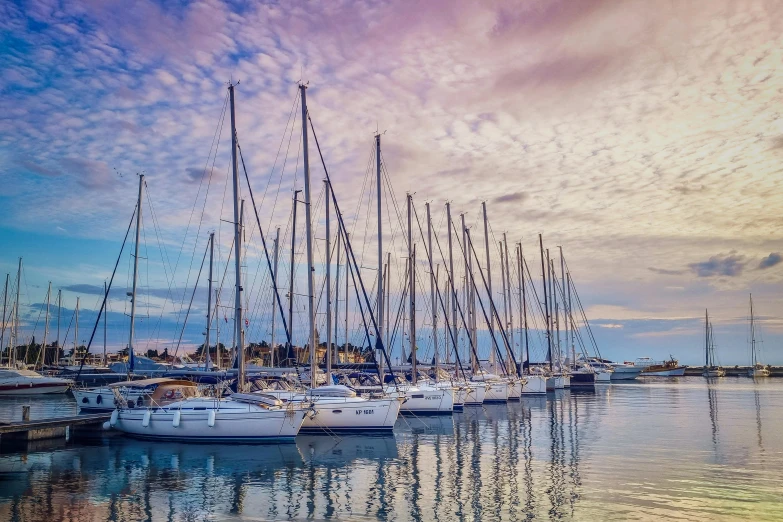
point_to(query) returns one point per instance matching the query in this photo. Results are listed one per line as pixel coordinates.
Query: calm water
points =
(684, 450)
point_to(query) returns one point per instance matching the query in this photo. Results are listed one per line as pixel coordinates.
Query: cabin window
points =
(417, 396)
(337, 411)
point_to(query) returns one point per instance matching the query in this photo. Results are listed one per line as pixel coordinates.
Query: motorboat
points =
(141, 366)
(175, 411)
(650, 368)
(624, 371)
(28, 382)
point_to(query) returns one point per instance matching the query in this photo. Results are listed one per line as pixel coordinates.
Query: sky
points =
(645, 138)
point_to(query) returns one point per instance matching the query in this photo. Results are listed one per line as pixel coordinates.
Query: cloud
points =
(720, 265)
(770, 261)
(664, 271)
(516, 197)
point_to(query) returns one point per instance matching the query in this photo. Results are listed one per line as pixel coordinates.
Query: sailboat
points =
(335, 408)
(15, 380)
(710, 369)
(175, 411)
(756, 368)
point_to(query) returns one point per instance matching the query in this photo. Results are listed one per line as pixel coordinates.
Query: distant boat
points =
(710, 368)
(28, 382)
(756, 368)
(650, 368)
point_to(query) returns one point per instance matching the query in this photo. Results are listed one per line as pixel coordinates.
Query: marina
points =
(373, 260)
(567, 455)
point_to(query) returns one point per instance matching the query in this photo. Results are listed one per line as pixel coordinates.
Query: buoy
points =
(211, 419)
(114, 415)
(177, 415)
(145, 421)
(106, 425)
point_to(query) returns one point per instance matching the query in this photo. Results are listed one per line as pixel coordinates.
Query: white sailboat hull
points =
(344, 414)
(497, 391)
(97, 400)
(515, 387)
(426, 400)
(758, 372)
(536, 384)
(475, 394)
(210, 420)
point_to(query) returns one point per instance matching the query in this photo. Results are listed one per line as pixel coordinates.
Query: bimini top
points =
(144, 383)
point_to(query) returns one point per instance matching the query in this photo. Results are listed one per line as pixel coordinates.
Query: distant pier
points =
(733, 371)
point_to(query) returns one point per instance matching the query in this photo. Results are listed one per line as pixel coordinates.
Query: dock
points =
(85, 426)
(734, 371)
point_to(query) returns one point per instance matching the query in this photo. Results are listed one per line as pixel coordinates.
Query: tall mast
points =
(570, 317)
(131, 356)
(451, 293)
(556, 308)
(378, 183)
(291, 280)
(472, 316)
(387, 285)
(327, 197)
(566, 305)
(467, 268)
(433, 283)
(308, 239)
(347, 295)
(59, 308)
(522, 305)
(218, 356)
(272, 349)
(752, 334)
(505, 303)
(510, 310)
(2, 327)
(46, 324)
(16, 313)
(412, 292)
(474, 364)
(337, 294)
(76, 330)
(546, 305)
(238, 326)
(489, 290)
(706, 339)
(105, 329)
(207, 359)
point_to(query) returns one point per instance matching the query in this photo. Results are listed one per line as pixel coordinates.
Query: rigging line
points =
(452, 336)
(187, 314)
(294, 106)
(218, 134)
(106, 294)
(164, 259)
(268, 260)
(350, 253)
(470, 249)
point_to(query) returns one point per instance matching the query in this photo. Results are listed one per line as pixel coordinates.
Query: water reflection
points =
(629, 452)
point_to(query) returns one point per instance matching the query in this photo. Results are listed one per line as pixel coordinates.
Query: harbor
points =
(566, 455)
(395, 261)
